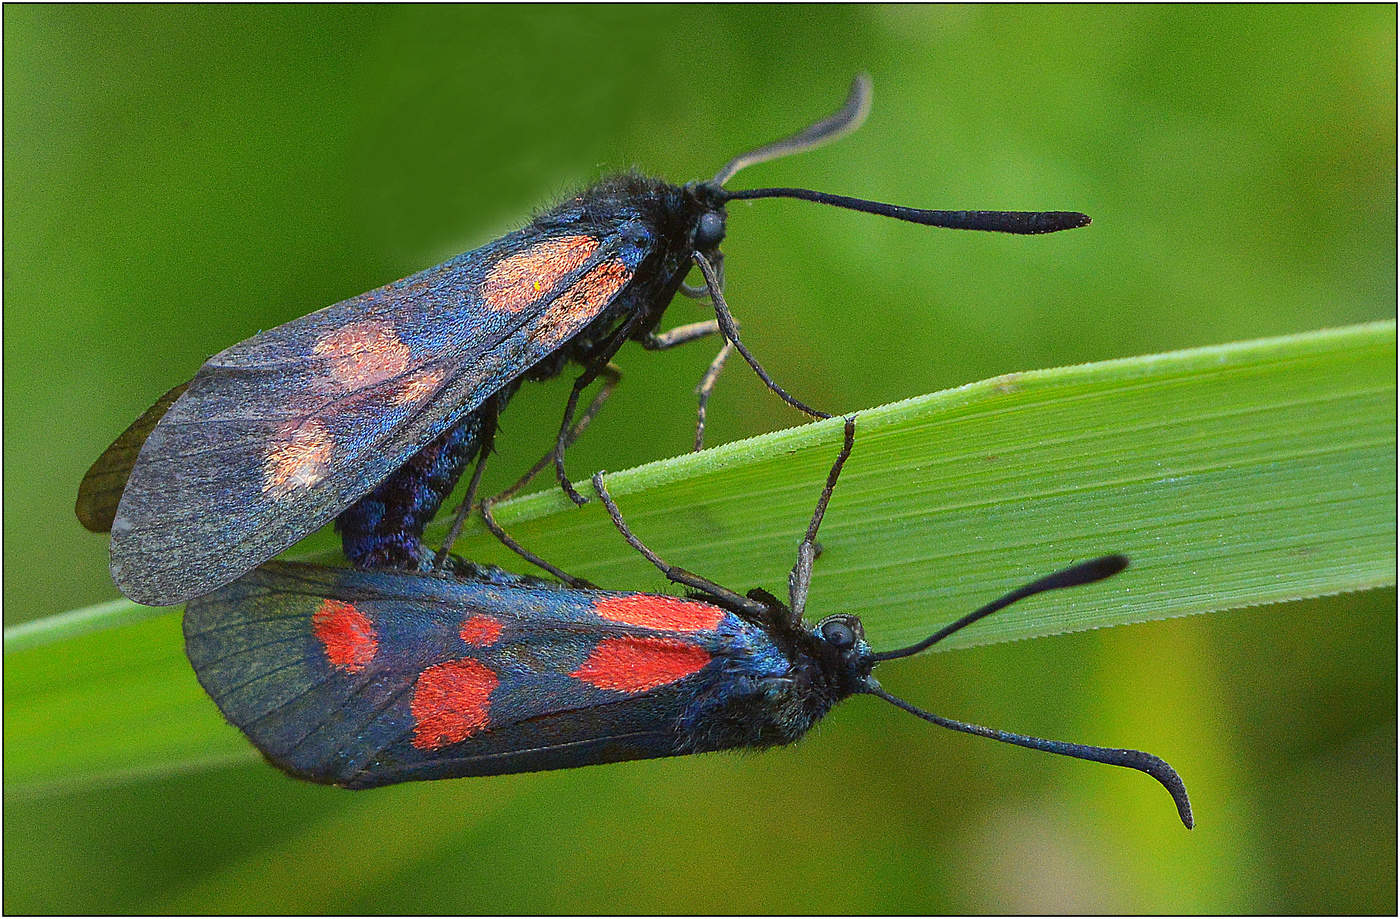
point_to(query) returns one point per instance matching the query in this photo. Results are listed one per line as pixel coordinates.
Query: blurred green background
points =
(177, 178)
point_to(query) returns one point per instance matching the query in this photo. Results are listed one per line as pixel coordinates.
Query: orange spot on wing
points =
(651, 611)
(363, 353)
(450, 702)
(347, 635)
(297, 457)
(518, 280)
(417, 388)
(581, 302)
(638, 663)
(481, 630)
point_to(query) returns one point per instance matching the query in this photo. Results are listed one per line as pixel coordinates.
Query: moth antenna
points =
(1154, 766)
(1084, 573)
(1024, 223)
(800, 578)
(833, 127)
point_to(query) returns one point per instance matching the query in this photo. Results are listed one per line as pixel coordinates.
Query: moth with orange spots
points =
(361, 679)
(368, 411)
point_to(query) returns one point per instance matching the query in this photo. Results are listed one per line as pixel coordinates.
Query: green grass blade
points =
(1242, 474)
(74, 622)
(1234, 475)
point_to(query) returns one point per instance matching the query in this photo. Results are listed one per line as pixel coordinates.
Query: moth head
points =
(841, 642)
(709, 230)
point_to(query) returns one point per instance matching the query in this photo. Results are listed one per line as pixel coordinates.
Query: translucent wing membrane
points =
(102, 487)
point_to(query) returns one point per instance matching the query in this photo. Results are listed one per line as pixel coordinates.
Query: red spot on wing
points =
(582, 301)
(347, 635)
(297, 457)
(519, 280)
(418, 387)
(651, 611)
(360, 354)
(450, 702)
(481, 630)
(638, 663)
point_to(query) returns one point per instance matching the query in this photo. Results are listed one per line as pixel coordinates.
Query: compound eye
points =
(709, 231)
(838, 634)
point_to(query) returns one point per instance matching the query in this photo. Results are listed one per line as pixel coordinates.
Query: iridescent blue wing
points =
(280, 433)
(369, 678)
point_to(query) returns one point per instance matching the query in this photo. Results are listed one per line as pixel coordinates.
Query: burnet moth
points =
(361, 679)
(369, 410)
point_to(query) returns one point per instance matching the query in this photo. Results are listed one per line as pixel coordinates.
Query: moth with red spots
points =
(361, 679)
(368, 411)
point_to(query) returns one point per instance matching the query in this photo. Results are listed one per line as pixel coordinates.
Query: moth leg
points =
(684, 334)
(724, 595)
(590, 373)
(800, 578)
(488, 442)
(611, 377)
(512, 545)
(701, 291)
(707, 386)
(680, 335)
(730, 328)
(707, 382)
